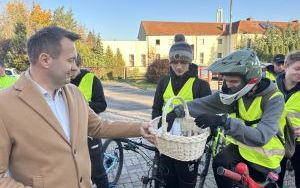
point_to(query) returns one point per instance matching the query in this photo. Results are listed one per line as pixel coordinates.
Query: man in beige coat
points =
(44, 121)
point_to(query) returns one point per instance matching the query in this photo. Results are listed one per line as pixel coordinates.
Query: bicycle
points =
(113, 160)
(243, 179)
(215, 143)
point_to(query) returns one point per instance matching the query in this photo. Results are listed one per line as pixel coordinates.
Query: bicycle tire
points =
(113, 177)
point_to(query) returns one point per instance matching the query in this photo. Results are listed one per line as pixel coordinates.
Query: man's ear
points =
(45, 60)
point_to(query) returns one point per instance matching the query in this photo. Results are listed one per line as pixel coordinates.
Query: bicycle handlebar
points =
(135, 143)
(243, 179)
(230, 174)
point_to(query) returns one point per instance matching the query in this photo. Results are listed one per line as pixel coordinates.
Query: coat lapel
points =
(73, 114)
(30, 94)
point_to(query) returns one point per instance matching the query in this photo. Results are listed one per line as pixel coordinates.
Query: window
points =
(157, 56)
(192, 46)
(143, 60)
(201, 42)
(157, 42)
(131, 60)
(219, 55)
(201, 58)
(220, 41)
(249, 43)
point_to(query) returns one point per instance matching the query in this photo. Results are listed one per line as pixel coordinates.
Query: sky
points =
(120, 19)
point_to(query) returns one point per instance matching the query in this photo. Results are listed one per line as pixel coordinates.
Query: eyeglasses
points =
(179, 61)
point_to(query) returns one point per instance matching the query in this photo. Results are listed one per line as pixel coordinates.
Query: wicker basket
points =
(186, 147)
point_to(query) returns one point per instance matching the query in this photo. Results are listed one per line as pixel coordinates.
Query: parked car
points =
(12, 72)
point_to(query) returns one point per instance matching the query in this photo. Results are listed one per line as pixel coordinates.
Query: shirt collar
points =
(41, 89)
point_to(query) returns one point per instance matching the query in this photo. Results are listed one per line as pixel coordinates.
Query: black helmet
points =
(279, 59)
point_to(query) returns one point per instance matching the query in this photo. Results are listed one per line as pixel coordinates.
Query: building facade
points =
(209, 41)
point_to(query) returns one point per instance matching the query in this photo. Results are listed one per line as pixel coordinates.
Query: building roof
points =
(259, 27)
(157, 28)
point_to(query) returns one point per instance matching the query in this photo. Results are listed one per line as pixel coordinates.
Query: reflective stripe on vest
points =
(292, 106)
(86, 86)
(186, 92)
(273, 151)
(270, 76)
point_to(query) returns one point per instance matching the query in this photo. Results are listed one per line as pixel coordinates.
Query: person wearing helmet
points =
(276, 68)
(255, 107)
(181, 81)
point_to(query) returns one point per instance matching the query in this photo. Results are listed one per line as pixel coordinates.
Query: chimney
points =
(249, 19)
(295, 21)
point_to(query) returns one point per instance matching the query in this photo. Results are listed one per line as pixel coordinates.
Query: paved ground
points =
(127, 102)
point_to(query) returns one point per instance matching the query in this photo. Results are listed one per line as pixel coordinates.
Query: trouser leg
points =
(99, 175)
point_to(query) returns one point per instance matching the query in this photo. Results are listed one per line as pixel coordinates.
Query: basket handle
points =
(166, 108)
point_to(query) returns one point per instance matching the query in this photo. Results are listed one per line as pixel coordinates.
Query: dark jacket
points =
(281, 86)
(97, 103)
(200, 87)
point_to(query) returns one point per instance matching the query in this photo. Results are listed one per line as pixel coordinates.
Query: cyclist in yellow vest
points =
(258, 109)
(5, 80)
(181, 81)
(92, 90)
(289, 85)
(276, 68)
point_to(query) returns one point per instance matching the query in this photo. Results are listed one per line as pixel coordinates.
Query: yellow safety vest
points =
(186, 92)
(6, 81)
(270, 76)
(292, 107)
(86, 86)
(273, 151)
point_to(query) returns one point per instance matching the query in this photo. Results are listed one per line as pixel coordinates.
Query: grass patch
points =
(142, 84)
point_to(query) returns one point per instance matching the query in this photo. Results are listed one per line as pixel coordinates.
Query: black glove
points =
(212, 121)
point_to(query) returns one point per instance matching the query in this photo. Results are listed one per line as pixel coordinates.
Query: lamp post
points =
(230, 26)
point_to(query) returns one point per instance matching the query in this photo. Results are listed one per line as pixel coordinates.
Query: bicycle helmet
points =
(243, 63)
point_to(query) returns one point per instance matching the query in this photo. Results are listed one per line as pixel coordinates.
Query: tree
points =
(275, 41)
(64, 19)
(157, 69)
(38, 18)
(16, 55)
(119, 64)
(14, 12)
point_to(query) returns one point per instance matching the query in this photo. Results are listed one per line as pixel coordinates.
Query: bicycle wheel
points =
(204, 165)
(113, 160)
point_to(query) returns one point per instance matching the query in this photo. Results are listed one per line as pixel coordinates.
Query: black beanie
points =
(180, 50)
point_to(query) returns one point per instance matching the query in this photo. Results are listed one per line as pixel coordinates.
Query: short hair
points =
(292, 57)
(78, 60)
(47, 40)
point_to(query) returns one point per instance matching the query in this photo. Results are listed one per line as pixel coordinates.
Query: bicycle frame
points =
(112, 164)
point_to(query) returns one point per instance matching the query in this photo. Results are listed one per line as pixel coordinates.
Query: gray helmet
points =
(244, 63)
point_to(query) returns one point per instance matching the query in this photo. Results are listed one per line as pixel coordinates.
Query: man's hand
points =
(146, 133)
(212, 121)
